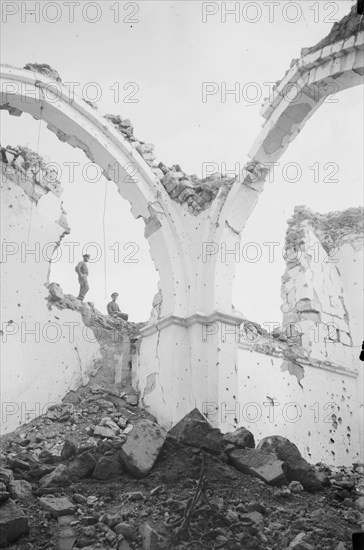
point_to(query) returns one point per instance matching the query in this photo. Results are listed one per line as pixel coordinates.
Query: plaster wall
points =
(44, 352)
(321, 415)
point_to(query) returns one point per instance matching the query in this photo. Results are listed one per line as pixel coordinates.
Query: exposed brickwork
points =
(45, 69)
(195, 193)
(332, 229)
(29, 170)
(349, 25)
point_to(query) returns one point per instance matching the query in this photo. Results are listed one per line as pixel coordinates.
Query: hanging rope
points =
(104, 235)
(33, 197)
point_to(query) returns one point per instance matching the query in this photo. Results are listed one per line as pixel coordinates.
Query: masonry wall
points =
(305, 381)
(45, 352)
(319, 412)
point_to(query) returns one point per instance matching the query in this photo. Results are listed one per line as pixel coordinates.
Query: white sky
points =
(167, 55)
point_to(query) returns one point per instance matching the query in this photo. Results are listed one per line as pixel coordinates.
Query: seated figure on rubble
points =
(114, 310)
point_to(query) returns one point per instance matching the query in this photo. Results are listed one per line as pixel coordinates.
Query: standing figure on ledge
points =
(82, 272)
(114, 310)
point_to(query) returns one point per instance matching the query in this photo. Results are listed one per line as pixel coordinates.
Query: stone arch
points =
(317, 74)
(79, 125)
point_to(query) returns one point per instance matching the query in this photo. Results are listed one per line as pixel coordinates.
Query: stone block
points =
(57, 506)
(192, 429)
(13, 523)
(108, 467)
(142, 447)
(84, 464)
(241, 438)
(297, 468)
(60, 477)
(20, 489)
(259, 464)
(104, 431)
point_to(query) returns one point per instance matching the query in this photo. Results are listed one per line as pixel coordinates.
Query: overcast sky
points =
(156, 58)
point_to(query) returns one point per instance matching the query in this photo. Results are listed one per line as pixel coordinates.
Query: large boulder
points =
(142, 447)
(241, 438)
(297, 468)
(196, 431)
(13, 523)
(258, 463)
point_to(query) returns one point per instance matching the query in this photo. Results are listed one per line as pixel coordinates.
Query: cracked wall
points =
(304, 380)
(322, 287)
(44, 352)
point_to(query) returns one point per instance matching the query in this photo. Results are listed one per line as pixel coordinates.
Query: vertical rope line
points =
(104, 237)
(33, 197)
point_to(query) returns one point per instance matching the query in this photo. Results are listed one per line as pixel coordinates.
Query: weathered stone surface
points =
(6, 475)
(84, 464)
(66, 538)
(259, 464)
(59, 476)
(70, 448)
(55, 292)
(20, 489)
(126, 530)
(192, 429)
(241, 438)
(57, 506)
(299, 543)
(108, 467)
(150, 538)
(4, 496)
(103, 431)
(297, 468)
(213, 441)
(295, 487)
(13, 523)
(45, 69)
(142, 447)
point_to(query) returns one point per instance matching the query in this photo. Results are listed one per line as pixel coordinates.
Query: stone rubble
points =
(296, 467)
(13, 523)
(75, 489)
(45, 69)
(194, 193)
(31, 172)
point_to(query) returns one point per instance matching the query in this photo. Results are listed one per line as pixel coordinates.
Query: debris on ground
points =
(96, 472)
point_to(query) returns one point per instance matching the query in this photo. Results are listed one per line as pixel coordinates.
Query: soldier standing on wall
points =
(82, 272)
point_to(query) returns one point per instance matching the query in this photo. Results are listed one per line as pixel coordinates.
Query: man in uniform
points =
(114, 310)
(82, 272)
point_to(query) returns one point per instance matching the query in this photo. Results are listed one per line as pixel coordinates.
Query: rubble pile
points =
(30, 171)
(195, 193)
(45, 69)
(105, 327)
(97, 472)
(333, 229)
(348, 26)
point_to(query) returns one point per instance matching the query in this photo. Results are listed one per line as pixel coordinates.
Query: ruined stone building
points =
(220, 360)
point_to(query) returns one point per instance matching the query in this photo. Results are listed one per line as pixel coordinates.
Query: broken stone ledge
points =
(194, 193)
(29, 170)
